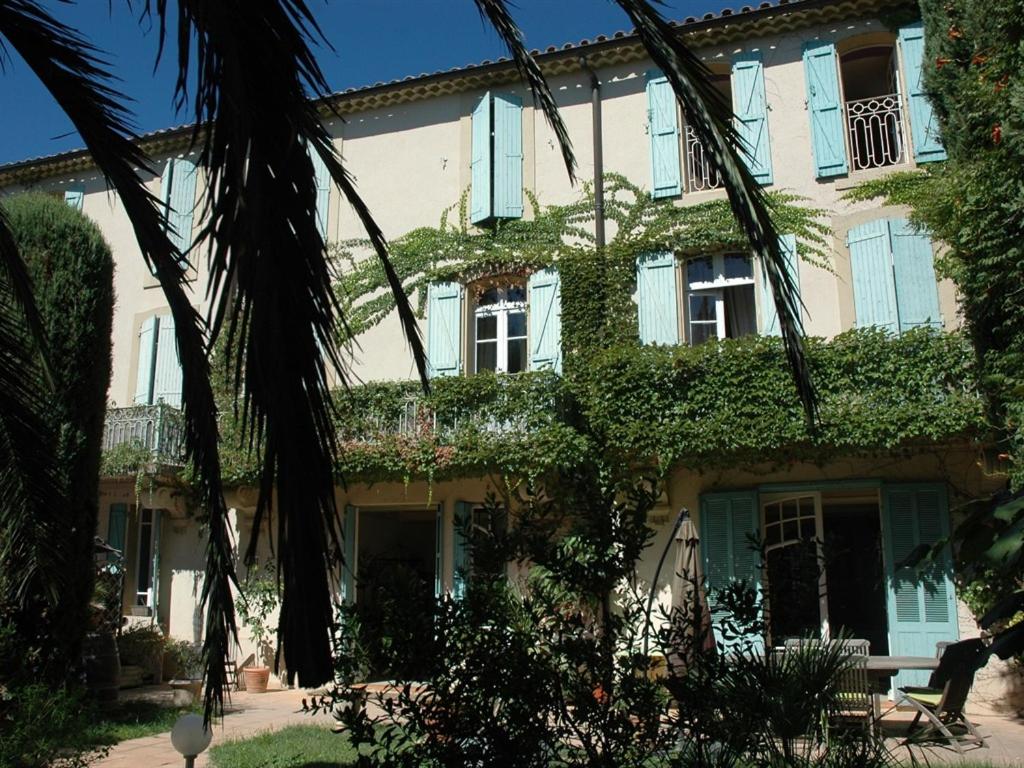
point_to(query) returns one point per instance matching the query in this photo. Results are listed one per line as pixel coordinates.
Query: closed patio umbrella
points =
(688, 593)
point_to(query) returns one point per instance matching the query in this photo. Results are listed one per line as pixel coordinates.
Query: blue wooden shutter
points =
(924, 126)
(348, 565)
(481, 174)
(545, 300)
(444, 329)
(751, 110)
(179, 195)
(147, 361)
(917, 293)
(727, 522)
(663, 122)
(825, 108)
(657, 300)
(874, 288)
(167, 371)
(75, 197)
(322, 178)
(508, 156)
(117, 523)
(921, 601)
(461, 548)
(439, 552)
(769, 314)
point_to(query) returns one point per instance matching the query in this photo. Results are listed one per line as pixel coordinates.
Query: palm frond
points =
(711, 118)
(496, 12)
(32, 500)
(271, 284)
(70, 70)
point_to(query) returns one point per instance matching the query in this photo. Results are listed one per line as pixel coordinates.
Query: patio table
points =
(887, 666)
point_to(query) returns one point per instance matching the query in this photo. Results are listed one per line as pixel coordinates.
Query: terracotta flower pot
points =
(256, 679)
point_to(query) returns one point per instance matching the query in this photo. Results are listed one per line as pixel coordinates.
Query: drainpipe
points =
(595, 107)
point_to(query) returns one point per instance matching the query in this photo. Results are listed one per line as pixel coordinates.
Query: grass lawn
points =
(132, 720)
(297, 746)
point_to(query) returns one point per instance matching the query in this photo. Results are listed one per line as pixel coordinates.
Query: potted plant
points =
(258, 600)
(183, 666)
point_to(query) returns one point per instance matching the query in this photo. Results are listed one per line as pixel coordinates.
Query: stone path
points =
(255, 713)
(249, 714)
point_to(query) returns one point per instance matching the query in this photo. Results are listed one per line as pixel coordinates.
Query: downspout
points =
(595, 108)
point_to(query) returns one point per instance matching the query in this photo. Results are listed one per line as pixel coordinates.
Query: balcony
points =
(144, 433)
(487, 404)
(701, 175)
(876, 131)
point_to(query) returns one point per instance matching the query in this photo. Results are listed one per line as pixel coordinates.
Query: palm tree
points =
(270, 282)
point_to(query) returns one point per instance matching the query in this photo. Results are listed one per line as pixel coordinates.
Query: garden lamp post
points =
(190, 737)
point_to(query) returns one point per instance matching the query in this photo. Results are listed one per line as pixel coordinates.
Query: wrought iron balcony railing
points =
(158, 429)
(876, 132)
(701, 175)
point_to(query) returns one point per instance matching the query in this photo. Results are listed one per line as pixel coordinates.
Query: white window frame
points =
(501, 310)
(144, 599)
(715, 288)
(767, 500)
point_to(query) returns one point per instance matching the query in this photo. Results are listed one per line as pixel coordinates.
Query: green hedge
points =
(734, 401)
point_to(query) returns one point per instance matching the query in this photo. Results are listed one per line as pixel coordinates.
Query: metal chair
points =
(941, 703)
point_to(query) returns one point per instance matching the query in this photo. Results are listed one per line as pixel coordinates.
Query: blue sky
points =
(373, 41)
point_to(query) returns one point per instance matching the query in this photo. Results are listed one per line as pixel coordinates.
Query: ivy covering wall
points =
(721, 403)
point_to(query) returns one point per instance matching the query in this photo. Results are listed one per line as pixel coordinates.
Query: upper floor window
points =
(506, 326)
(874, 111)
(158, 378)
(720, 296)
(742, 86)
(499, 325)
(894, 283)
(860, 105)
(720, 301)
(496, 164)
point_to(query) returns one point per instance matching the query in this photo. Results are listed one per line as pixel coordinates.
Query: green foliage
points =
(297, 746)
(125, 459)
(45, 727)
(183, 660)
(141, 645)
(734, 402)
(260, 597)
(72, 273)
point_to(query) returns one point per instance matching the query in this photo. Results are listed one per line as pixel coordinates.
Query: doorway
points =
(855, 573)
(395, 589)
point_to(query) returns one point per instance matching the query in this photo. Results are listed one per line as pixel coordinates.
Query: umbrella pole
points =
(683, 514)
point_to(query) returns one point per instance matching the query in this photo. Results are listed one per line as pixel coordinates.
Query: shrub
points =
(183, 660)
(141, 645)
(44, 727)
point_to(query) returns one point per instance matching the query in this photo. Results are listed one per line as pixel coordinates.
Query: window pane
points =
(700, 270)
(516, 355)
(487, 327)
(702, 307)
(516, 324)
(738, 266)
(701, 332)
(490, 296)
(772, 535)
(516, 293)
(740, 316)
(790, 530)
(486, 356)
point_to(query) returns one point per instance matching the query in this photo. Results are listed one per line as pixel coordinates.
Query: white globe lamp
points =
(190, 736)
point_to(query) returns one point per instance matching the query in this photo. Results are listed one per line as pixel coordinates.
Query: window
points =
(874, 113)
(496, 163)
(894, 284)
(499, 325)
(793, 567)
(701, 175)
(159, 374)
(720, 297)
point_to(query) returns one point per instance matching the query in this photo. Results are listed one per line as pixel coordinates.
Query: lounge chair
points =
(940, 704)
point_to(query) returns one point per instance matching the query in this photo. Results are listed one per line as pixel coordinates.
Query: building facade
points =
(826, 93)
